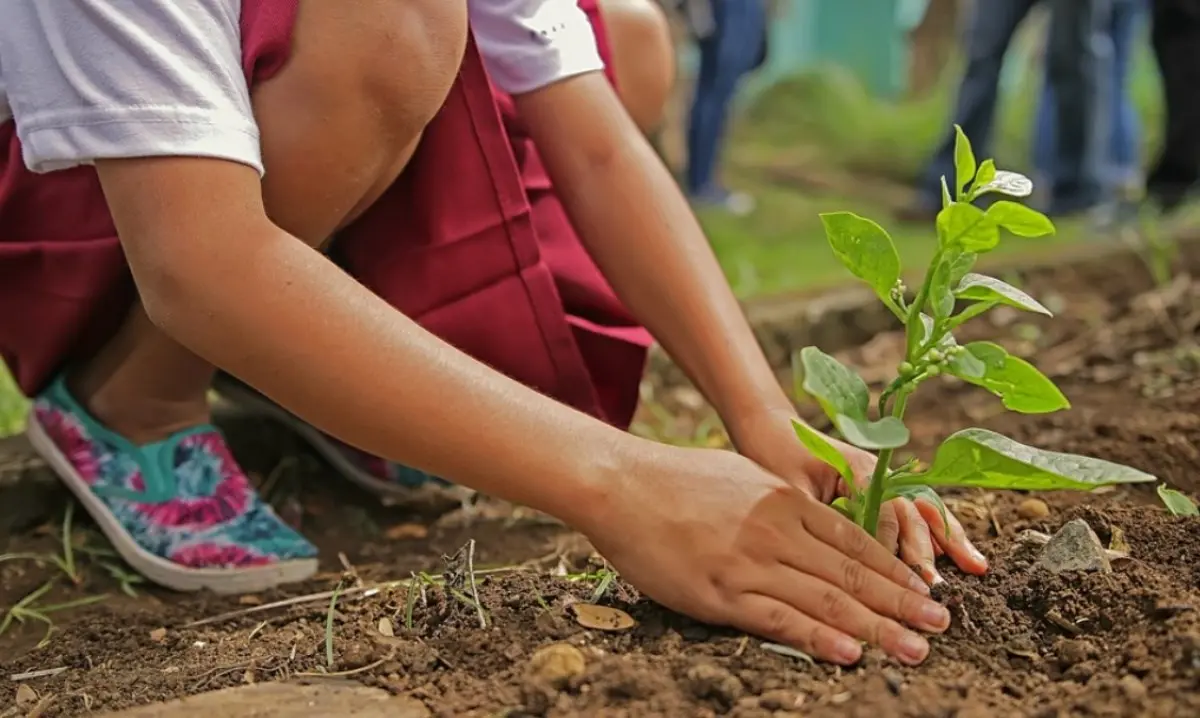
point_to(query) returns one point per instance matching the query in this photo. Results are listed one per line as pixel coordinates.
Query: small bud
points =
(933, 370)
(906, 368)
(934, 355)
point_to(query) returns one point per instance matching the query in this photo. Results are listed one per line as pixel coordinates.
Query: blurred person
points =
(1076, 67)
(732, 39)
(171, 176)
(1175, 35)
(1122, 169)
(643, 58)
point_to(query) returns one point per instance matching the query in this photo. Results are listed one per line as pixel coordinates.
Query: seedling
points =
(949, 295)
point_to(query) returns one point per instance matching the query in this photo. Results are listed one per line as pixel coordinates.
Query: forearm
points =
(643, 235)
(283, 318)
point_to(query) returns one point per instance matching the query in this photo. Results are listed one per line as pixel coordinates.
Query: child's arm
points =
(705, 532)
(643, 235)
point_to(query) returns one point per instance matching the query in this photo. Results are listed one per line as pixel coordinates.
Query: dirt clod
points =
(557, 664)
(709, 682)
(1072, 651)
(1074, 548)
(1033, 509)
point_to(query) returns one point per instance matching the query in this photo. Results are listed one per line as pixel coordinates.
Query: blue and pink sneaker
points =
(179, 511)
(390, 481)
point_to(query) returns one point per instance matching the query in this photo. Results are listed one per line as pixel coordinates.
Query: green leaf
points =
(1177, 502)
(960, 265)
(968, 367)
(1013, 184)
(865, 249)
(985, 459)
(836, 388)
(964, 161)
(845, 507)
(820, 447)
(887, 433)
(947, 200)
(844, 398)
(966, 227)
(1019, 219)
(1019, 384)
(914, 492)
(986, 173)
(982, 288)
(941, 297)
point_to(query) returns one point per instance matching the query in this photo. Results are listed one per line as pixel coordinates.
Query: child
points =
(375, 121)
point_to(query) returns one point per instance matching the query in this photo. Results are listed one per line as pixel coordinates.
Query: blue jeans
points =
(727, 55)
(1076, 66)
(1123, 165)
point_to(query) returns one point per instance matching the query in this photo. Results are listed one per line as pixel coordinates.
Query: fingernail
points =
(977, 554)
(913, 647)
(937, 578)
(934, 616)
(918, 584)
(847, 650)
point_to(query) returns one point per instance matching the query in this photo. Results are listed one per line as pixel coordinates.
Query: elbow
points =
(166, 293)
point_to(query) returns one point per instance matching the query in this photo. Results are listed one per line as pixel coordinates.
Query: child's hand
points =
(711, 534)
(916, 529)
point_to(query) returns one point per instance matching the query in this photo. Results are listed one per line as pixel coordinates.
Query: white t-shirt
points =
(96, 79)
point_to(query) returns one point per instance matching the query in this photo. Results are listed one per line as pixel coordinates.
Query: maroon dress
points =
(470, 241)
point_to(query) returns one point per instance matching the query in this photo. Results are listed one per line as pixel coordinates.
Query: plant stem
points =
(875, 490)
(914, 309)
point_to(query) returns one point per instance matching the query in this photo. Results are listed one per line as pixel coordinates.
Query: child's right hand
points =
(713, 535)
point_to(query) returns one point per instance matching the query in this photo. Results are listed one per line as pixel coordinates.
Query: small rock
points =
(1074, 548)
(1134, 689)
(1033, 509)
(1071, 651)
(250, 600)
(710, 682)
(158, 635)
(26, 697)
(895, 680)
(557, 664)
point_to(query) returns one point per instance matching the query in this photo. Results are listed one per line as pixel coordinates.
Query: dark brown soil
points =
(1024, 643)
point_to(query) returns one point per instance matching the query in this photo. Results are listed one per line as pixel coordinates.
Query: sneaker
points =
(179, 511)
(390, 481)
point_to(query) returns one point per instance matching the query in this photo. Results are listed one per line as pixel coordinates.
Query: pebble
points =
(1134, 689)
(158, 635)
(895, 680)
(557, 664)
(779, 700)
(1074, 548)
(1033, 509)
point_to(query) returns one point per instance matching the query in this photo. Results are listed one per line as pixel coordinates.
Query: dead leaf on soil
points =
(602, 618)
(401, 532)
(385, 627)
(26, 696)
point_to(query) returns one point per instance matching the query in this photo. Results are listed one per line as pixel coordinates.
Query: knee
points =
(643, 57)
(342, 118)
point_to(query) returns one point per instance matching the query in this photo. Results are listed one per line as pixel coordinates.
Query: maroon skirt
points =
(471, 241)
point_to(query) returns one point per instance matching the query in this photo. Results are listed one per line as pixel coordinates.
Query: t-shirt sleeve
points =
(528, 44)
(106, 79)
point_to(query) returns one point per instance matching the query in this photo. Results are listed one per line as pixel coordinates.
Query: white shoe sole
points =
(158, 570)
(390, 492)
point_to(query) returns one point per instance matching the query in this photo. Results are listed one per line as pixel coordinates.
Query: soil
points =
(1023, 642)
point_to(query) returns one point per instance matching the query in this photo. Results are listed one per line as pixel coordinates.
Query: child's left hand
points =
(915, 529)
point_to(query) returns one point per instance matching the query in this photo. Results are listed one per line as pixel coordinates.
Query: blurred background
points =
(841, 104)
